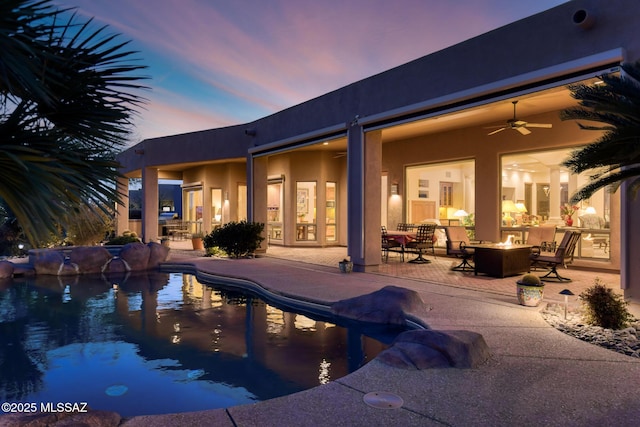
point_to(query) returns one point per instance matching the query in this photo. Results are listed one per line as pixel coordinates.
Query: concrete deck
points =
(536, 375)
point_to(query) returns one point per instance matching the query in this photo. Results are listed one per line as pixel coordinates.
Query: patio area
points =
(438, 271)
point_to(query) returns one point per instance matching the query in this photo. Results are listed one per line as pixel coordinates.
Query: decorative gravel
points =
(625, 341)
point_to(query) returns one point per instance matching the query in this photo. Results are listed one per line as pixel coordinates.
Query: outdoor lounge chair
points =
(390, 245)
(422, 242)
(563, 255)
(457, 241)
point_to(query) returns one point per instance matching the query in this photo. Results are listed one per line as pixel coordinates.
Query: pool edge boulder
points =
(416, 349)
(388, 305)
(429, 349)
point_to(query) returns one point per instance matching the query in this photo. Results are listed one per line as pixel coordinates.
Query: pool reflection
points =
(197, 334)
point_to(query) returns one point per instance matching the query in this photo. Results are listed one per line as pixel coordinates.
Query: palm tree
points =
(615, 156)
(67, 99)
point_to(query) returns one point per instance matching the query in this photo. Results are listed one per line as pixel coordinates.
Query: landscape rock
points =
(429, 349)
(89, 259)
(157, 254)
(115, 266)
(136, 255)
(623, 341)
(47, 261)
(388, 305)
(6, 269)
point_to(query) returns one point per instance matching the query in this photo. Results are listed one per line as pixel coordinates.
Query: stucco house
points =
(473, 128)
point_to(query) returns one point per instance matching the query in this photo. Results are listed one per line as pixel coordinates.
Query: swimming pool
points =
(165, 342)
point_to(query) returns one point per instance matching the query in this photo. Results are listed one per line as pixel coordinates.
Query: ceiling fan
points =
(520, 125)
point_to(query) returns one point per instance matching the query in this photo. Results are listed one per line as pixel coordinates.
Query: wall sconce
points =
(226, 196)
(546, 190)
(394, 189)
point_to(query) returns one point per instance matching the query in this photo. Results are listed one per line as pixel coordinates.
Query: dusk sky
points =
(216, 63)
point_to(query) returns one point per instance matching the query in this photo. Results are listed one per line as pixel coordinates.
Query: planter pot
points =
(345, 267)
(529, 295)
(197, 243)
(165, 242)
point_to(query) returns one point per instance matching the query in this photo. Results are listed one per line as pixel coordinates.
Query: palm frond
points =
(68, 97)
(616, 106)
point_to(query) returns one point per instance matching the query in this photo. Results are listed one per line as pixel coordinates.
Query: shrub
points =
(124, 239)
(603, 307)
(236, 238)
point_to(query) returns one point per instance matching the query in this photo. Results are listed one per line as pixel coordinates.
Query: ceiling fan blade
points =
(539, 125)
(523, 130)
(496, 131)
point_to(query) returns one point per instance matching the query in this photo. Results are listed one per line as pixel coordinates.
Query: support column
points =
(364, 169)
(149, 204)
(488, 210)
(554, 196)
(122, 210)
(629, 244)
(257, 197)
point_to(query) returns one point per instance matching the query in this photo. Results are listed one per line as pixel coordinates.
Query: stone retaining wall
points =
(76, 260)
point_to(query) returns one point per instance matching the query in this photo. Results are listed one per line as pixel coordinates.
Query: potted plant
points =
(345, 265)
(196, 241)
(530, 290)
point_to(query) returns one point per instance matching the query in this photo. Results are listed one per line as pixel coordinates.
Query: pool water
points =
(163, 342)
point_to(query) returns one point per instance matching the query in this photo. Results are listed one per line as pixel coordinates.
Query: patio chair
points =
(542, 238)
(390, 245)
(457, 241)
(422, 242)
(406, 227)
(563, 255)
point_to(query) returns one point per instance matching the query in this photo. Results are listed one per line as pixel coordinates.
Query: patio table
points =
(403, 237)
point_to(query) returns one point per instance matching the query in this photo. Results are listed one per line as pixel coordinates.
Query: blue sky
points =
(216, 63)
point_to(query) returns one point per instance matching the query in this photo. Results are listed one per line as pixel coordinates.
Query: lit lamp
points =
(590, 210)
(522, 209)
(461, 214)
(218, 215)
(507, 207)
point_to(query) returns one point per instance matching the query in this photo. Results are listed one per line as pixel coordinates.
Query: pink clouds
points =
(268, 56)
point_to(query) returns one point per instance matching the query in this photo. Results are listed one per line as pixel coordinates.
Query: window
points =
(330, 212)
(439, 191)
(306, 210)
(274, 209)
(550, 187)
